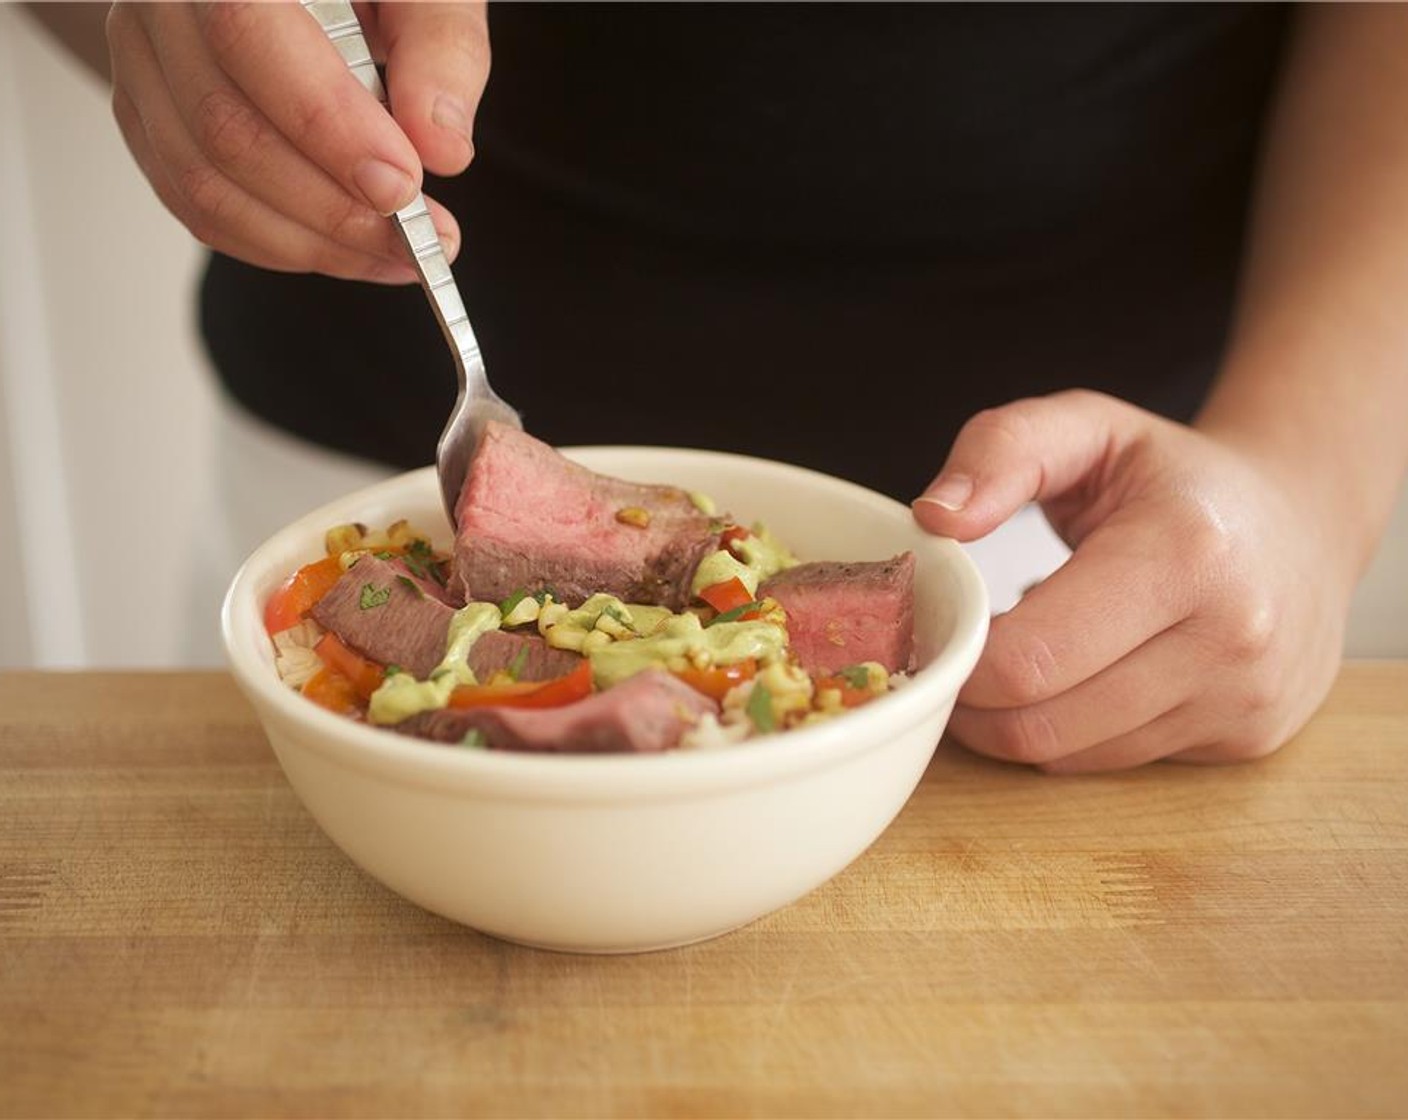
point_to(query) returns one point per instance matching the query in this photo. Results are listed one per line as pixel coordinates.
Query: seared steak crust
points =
(840, 614)
(531, 519)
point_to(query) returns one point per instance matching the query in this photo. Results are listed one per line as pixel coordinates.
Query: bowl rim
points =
(577, 776)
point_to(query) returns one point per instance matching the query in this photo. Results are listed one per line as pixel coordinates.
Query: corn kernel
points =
(634, 515)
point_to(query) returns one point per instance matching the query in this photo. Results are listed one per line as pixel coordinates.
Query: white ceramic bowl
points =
(615, 853)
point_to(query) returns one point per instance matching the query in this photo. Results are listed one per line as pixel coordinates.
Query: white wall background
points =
(105, 409)
(113, 447)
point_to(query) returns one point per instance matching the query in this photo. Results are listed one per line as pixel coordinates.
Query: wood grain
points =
(177, 938)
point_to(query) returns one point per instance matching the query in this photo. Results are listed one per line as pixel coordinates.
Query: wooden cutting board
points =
(177, 938)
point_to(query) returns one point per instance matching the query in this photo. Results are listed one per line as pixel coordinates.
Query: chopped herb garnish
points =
(384, 555)
(520, 659)
(736, 613)
(373, 596)
(545, 594)
(413, 585)
(392, 670)
(474, 738)
(759, 708)
(506, 607)
(856, 676)
(420, 559)
(611, 610)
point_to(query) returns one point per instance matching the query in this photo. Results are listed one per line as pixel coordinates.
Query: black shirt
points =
(823, 233)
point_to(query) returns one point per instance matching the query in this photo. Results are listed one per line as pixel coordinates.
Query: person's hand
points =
(1200, 616)
(253, 132)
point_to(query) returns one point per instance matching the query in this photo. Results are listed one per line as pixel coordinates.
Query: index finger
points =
(1117, 591)
(284, 63)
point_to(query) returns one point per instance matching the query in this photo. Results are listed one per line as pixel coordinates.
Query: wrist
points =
(1333, 472)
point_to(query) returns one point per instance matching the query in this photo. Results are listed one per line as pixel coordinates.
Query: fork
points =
(477, 403)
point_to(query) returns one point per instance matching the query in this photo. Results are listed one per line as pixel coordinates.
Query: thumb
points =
(437, 61)
(1031, 450)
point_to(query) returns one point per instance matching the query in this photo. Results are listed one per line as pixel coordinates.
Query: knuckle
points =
(1084, 398)
(120, 25)
(228, 25)
(1257, 696)
(1026, 735)
(227, 127)
(124, 112)
(210, 198)
(349, 222)
(315, 119)
(1007, 424)
(1021, 665)
(1206, 540)
(1252, 629)
(1246, 746)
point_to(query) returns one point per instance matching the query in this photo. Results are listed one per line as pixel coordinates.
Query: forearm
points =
(79, 27)
(1316, 376)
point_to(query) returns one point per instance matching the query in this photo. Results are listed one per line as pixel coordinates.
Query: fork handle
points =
(412, 222)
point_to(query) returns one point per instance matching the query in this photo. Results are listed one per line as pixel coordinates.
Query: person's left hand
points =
(1200, 617)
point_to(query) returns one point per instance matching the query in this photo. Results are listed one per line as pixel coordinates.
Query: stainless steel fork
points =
(477, 402)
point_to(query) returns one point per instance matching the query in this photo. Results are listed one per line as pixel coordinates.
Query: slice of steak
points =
(531, 519)
(386, 615)
(840, 614)
(648, 712)
(530, 658)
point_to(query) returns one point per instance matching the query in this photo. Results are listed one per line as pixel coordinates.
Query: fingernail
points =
(951, 492)
(448, 112)
(449, 242)
(386, 188)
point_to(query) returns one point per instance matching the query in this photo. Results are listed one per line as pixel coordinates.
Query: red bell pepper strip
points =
(727, 596)
(851, 697)
(554, 693)
(716, 680)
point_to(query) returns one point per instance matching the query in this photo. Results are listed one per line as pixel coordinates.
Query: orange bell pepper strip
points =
(366, 676)
(298, 594)
(554, 693)
(331, 690)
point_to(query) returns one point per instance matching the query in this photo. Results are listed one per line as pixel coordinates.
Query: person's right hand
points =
(253, 132)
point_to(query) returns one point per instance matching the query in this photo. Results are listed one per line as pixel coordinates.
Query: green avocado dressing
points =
(684, 635)
(402, 696)
(762, 555)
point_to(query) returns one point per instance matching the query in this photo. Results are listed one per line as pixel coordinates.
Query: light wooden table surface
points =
(177, 937)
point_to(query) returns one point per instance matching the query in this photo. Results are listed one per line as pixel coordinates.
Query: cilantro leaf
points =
(855, 676)
(506, 607)
(613, 611)
(520, 659)
(372, 596)
(413, 585)
(735, 613)
(419, 557)
(759, 708)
